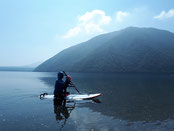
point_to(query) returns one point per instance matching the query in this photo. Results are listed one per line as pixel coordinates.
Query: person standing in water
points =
(61, 86)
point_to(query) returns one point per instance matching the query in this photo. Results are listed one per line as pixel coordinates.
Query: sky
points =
(32, 31)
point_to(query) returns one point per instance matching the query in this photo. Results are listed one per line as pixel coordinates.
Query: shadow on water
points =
(131, 97)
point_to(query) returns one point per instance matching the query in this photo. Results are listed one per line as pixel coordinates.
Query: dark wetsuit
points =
(60, 87)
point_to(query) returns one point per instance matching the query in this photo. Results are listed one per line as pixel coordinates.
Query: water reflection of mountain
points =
(50, 81)
(130, 97)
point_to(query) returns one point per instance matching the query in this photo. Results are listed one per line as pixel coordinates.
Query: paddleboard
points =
(74, 96)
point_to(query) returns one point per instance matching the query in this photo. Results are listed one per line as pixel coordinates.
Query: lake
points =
(128, 102)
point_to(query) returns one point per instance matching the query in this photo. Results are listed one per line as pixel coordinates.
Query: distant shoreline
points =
(26, 69)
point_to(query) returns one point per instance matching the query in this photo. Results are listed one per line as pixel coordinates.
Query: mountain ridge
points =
(129, 50)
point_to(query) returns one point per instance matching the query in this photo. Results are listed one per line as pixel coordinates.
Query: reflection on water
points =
(146, 98)
(128, 102)
(62, 111)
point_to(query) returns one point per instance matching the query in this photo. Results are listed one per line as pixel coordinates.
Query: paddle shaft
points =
(72, 83)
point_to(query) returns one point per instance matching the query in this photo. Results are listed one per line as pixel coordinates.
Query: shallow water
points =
(128, 102)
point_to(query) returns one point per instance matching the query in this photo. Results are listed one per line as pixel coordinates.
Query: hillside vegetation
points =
(128, 50)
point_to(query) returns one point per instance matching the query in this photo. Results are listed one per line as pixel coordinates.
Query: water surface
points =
(128, 102)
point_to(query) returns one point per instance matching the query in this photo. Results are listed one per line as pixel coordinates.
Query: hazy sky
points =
(35, 30)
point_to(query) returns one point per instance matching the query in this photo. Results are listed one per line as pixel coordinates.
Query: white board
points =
(75, 96)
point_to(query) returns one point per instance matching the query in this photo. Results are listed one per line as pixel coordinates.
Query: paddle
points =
(72, 83)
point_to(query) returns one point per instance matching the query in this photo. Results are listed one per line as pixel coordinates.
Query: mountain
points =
(26, 68)
(129, 50)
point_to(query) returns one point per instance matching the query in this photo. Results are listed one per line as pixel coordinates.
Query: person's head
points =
(60, 75)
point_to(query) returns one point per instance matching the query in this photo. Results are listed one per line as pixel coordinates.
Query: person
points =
(61, 86)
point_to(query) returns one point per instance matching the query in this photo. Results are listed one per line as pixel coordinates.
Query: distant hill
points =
(16, 69)
(128, 50)
(26, 68)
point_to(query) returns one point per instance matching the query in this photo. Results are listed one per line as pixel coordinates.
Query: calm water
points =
(129, 102)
